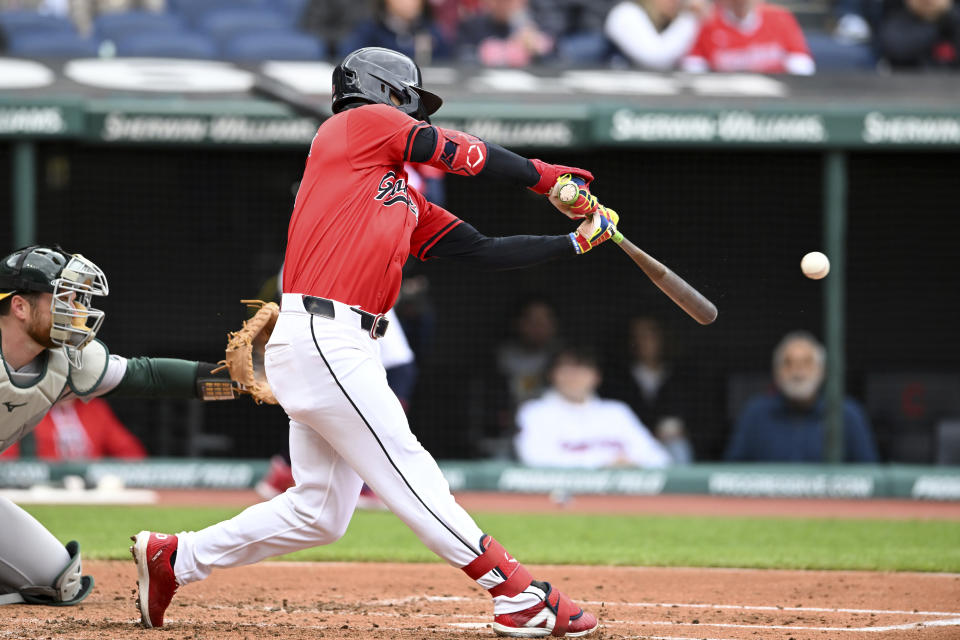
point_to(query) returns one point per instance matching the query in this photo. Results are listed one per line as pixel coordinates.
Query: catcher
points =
(48, 328)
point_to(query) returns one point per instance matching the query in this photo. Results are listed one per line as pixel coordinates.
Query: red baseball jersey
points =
(356, 219)
(772, 35)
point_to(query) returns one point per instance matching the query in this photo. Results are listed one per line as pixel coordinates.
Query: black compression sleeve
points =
(466, 244)
(502, 164)
(423, 145)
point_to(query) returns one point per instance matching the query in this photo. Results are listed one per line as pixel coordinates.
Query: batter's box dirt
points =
(334, 601)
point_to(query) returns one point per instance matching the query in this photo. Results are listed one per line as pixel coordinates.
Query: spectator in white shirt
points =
(655, 34)
(569, 426)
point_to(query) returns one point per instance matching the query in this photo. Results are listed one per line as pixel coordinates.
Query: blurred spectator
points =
(504, 34)
(651, 384)
(571, 427)
(76, 430)
(448, 14)
(856, 20)
(577, 28)
(750, 35)
(789, 426)
(847, 46)
(523, 359)
(333, 20)
(921, 34)
(655, 34)
(402, 25)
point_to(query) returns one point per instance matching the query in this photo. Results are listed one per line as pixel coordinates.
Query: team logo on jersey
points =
(393, 190)
(10, 406)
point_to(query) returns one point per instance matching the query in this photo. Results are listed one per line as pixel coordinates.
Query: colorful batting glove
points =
(573, 198)
(595, 230)
(550, 173)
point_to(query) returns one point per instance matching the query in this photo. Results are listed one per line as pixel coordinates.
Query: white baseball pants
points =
(346, 427)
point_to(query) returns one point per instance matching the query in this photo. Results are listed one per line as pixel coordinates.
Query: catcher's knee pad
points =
(494, 556)
(69, 588)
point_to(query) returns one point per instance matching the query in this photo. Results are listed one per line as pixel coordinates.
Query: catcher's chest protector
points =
(22, 407)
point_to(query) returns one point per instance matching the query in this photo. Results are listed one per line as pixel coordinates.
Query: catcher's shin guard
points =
(69, 588)
(494, 556)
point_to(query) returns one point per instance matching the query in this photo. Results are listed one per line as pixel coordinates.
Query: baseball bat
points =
(677, 289)
(283, 93)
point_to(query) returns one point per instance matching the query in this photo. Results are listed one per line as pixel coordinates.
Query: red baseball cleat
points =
(156, 582)
(277, 480)
(556, 616)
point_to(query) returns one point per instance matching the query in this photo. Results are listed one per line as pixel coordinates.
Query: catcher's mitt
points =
(244, 358)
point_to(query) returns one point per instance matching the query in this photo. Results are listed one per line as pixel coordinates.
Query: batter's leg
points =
(332, 380)
(314, 512)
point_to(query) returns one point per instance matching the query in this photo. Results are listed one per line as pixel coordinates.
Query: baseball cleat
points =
(555, 615)
(278, 479)
(156, 582)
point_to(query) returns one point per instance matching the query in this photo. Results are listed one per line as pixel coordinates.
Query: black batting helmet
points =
(382, 76)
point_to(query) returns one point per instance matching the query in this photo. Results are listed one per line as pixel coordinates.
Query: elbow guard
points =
(458, 152)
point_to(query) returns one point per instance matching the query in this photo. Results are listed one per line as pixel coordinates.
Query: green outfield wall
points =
(762, 480)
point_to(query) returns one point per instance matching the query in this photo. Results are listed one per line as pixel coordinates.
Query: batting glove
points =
(572, 198)
(595, 230)
(550, 173)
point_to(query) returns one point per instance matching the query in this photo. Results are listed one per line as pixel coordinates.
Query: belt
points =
(374, 324)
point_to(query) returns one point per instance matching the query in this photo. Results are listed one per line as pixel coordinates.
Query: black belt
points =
(373, 323)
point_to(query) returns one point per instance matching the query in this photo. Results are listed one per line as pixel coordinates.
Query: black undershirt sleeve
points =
(501, 164)
(465, 244)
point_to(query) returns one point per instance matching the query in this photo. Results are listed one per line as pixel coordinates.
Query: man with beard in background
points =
(788, 426)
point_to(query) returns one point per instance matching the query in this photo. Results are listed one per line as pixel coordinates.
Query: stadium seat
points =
(831, 55)
(741, 387)
(193, 10)
(293, 9)
(114, 26)
(905, 409)
(224, 24)
(167, 45)
(40, 45)
(22, 23)
(273, 45)
(948, 442)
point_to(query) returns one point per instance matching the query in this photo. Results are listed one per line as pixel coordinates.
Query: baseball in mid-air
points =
(815, 265)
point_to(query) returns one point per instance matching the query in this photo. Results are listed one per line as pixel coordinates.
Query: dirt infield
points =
(431, 601)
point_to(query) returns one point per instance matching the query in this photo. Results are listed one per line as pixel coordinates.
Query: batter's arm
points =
(464, 154)
(465, 244)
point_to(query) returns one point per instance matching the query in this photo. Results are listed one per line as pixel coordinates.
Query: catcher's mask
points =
(72, 279)
(383, 76)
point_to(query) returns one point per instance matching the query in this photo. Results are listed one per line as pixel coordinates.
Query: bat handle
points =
(617, 237)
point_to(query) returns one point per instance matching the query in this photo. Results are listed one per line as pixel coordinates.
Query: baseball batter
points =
(50, 353)
(355, 221)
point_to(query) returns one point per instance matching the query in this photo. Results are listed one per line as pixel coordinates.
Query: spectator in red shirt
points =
(750, 35)
(75, 430)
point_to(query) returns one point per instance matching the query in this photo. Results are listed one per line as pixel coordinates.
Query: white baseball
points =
(815, 265)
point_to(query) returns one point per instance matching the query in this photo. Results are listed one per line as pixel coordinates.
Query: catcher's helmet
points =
(382, 76)
(72, 279)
